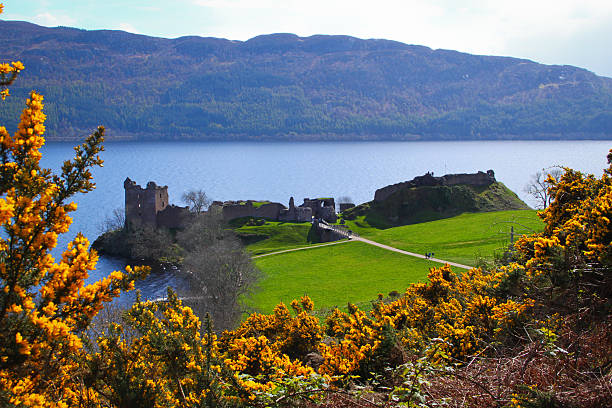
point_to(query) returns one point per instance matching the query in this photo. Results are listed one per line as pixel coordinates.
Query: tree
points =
(220, 272)
(197, 200)
(148, 243)
(113, 222)
(539, 184)
(45, 305)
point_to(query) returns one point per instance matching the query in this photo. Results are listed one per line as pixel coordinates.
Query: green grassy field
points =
(462, 239)
(276, 236)
(336, 274)
(357, 272)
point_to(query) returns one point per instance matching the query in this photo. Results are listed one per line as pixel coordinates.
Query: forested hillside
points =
(283, 87)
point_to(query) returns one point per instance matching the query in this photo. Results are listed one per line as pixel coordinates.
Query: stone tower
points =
(143, 204)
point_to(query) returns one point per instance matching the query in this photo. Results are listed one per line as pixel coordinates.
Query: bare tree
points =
(202, 232)
(197, 200)
(538, 186)
(219, 277)
(344, 200)
(113, 222)
(219, 271)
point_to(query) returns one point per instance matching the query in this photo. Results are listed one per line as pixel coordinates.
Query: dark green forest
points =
(283, 87)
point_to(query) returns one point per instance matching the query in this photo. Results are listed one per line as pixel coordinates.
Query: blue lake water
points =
(276, 171)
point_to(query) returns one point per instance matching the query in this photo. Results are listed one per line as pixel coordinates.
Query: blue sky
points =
(574, 32)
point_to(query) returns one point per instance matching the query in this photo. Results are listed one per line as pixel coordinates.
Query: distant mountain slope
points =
(283, 87)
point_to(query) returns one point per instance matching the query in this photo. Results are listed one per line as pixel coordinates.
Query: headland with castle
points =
(151, 205)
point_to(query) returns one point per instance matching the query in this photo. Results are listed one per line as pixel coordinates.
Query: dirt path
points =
(370, 242)
(401, 251)
(300, 249)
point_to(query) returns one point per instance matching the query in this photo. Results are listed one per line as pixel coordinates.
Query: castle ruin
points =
(428, 180)
(295, 214)
(323, 208)
(149, 206)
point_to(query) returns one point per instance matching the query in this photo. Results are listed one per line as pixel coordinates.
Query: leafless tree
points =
(343, 200)
(218, 277)
(219, 271)
(197, 200)
(538, 186)
(202, 231)
(113, 222)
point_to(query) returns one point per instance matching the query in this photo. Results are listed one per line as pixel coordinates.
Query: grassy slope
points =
(461, 239)
(277, 236)
(335, 275)
(357, 272)
(429, 203)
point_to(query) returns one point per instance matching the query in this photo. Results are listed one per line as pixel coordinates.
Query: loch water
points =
(277, 171)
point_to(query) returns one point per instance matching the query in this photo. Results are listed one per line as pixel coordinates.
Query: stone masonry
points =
(149, 206)
(323, 208)
(238, 209)
(295, 214)
(474, 179)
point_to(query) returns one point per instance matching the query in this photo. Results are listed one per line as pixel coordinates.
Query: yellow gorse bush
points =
(44, 303)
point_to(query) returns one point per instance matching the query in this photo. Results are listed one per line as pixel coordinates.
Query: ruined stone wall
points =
(270, 210)
(473, 179)
(296, 214)
(346, 206)
(327, 213)
(150, 206)
(173, 217)
(324, 208)
(476, 179)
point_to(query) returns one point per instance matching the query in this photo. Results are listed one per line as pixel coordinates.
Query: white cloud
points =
(128, 27)
(236, 4)
(53, 20)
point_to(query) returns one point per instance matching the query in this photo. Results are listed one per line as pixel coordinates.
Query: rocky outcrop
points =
(428, 180)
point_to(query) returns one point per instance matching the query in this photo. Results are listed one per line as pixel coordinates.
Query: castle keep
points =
(149, 206)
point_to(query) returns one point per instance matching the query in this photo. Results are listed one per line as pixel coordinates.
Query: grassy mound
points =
(422, 204)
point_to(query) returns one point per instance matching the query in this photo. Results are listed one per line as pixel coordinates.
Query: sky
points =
(572, 32)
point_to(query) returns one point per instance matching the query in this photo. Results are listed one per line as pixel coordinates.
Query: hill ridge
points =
(285, 87)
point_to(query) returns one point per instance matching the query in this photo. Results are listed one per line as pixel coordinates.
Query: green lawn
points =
(357, 272)
(276, 236)
(336, 274)
(462, 239)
